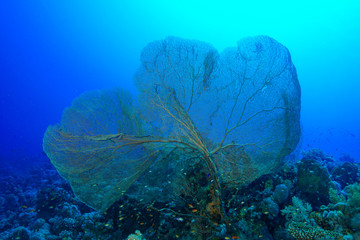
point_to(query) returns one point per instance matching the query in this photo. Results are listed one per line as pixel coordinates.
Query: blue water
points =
(51, 52)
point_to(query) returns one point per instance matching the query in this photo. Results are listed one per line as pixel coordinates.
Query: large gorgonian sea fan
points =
(237, 111)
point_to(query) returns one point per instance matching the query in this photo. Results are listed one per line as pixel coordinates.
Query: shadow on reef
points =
(316, 197)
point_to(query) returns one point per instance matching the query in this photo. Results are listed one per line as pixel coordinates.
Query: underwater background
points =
(52, 52)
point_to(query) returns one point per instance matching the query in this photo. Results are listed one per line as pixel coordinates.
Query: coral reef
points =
(347, 173)
(40, 205)
(302, 223)
(313, 181)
